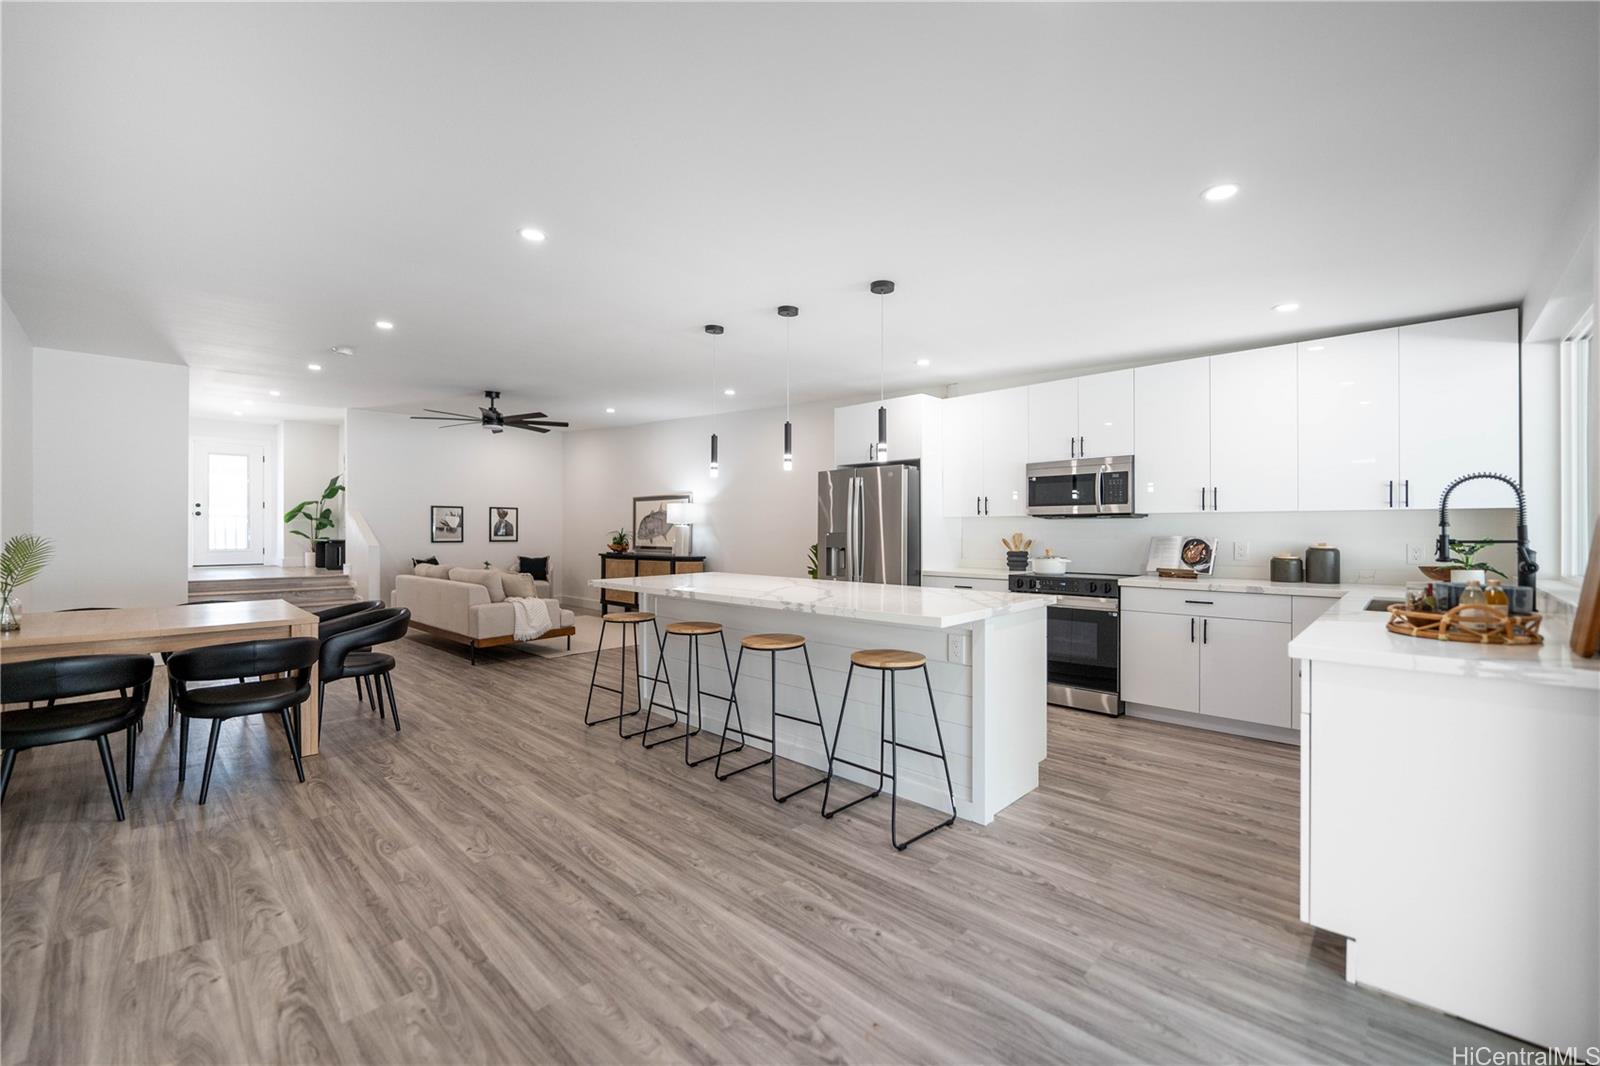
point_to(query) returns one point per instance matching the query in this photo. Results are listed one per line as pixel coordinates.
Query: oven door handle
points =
(1087, 603)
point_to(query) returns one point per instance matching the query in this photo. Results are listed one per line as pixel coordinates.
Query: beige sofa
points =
(469, 607)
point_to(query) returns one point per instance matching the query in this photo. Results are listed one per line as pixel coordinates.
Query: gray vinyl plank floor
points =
(498, 884)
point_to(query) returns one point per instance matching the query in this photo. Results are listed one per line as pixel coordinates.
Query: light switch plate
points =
(957, 649)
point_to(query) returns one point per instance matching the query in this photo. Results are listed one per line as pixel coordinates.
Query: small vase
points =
(9, 623)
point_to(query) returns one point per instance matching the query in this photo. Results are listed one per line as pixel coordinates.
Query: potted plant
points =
(319, 518)
(811, 562)
(1464, 565)
(21, 560)
(619, 541)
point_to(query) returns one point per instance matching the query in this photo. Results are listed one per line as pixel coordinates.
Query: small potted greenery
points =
(21, 560)
(1464, 565)
(619, 541)
(319, 518)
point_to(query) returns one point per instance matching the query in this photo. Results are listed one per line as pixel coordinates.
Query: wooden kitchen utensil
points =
(1585, 639)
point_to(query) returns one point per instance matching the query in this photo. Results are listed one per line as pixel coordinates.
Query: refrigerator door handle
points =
(854, 535)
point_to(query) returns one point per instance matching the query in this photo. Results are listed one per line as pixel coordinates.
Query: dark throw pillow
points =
(539, 568)
(432, 560)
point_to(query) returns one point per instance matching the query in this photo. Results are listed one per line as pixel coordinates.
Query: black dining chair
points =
(342, 657)
(292, 657)
(328, 614)
(342, 621)
(51, 680)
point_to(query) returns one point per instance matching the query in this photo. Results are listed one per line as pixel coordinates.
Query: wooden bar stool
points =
(629, 621)
(694, 689)
(773, 643)
(888, 662)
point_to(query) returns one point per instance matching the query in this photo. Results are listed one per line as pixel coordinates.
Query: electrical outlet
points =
(1417, 553)
(957, 650)
(1241, 551)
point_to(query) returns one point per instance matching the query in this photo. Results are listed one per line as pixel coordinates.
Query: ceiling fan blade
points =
(537, 422)
(530, 414)
(454, 425)
(524, 425)
(444, 418)
(453, 414)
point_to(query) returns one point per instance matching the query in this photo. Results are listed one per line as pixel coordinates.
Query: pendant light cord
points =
(881, 313)
(786, 360)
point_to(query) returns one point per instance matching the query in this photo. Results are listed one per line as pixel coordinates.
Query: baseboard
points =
(584, 604)
(1252, 730)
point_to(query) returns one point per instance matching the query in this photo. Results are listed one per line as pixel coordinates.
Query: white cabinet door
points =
(1350, 422)
(1053, 421)
(1105, 414)
(1473, 356)
(1005, 452)
(1161, 660)
(1244, 670)
(962, 441)
(1253, 420)
(855, 431)
(1172, 437)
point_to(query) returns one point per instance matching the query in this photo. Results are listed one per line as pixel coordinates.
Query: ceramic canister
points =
(1322, 565)
(1288, 567)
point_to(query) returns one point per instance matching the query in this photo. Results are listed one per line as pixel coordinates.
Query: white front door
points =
(228, 512)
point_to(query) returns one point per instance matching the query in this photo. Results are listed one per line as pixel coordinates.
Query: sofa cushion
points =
(489, 579)
(518, 585)
(539, 567)
(433, 570)
(432, 559)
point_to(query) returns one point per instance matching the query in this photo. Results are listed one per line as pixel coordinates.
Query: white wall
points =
(110, 480)
(1367, 540)
(16, 426)
(758, 519)
(310, 455)
(399, 468)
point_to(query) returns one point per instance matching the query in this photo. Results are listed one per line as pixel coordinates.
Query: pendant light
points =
(882, 289)
(713, 331)
(788, 312)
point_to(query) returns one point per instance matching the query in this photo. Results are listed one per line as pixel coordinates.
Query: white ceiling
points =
(242, 186)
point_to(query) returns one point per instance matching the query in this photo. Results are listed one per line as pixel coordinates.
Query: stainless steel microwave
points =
(1081, 488)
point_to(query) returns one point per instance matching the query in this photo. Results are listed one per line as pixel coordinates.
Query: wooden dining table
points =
(148, 630)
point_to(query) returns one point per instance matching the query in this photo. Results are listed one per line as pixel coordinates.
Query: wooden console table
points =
(642, 564)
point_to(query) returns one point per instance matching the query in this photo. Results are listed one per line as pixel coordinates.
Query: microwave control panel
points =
(1114, 487)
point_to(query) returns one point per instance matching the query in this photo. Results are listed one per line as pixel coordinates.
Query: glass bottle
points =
(1495, 595)
(1473, 596)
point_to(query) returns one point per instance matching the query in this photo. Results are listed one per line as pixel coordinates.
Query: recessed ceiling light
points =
(342, 349)
(313, 366)
(1285, 308)
(924, 362)
(727, 392)
(274, 392)
(1218, 193)
(384, 324)
(611, 410)
(528, 233)
(236, 414)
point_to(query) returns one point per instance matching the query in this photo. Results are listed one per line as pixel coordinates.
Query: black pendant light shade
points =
(883, 434)
(713, 455)
(788, 446)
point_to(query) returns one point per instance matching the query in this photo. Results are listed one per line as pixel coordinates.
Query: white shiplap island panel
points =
(985, 652)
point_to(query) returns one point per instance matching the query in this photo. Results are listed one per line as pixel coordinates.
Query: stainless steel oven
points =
(1082, 639)
(1081, 488)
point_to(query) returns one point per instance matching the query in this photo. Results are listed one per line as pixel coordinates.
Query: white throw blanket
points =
(533, 617)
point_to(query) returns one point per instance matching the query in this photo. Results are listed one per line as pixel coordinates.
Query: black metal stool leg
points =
(816, 703)
(655, 676)
(594, 675)
(211, 758)
(700, 694)
(688, 708)
(735, 712)
(833, 754)
(944, 761)
(111, 774)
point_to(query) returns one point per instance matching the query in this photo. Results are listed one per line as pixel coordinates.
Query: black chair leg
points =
(377, 694)
(133, 748)
(394, 708)
(5, 771)
(294, 749)
(111, 774)
(359, 687)
(183, 747)
(322, 707)
(211, 757)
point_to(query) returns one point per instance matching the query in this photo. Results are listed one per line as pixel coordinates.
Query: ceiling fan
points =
(492, 418)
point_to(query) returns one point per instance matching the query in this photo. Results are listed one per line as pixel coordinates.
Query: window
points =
(1580, 456)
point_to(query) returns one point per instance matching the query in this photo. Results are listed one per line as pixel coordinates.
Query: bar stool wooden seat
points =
(628, 621)
(694, 690)
(772, 643)
(888, 662)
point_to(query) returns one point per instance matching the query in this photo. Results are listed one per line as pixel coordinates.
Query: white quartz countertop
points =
(1348, 633)
(903, 605)
(1243, 584)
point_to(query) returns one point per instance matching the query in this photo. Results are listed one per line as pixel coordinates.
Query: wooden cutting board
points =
(1586, 626)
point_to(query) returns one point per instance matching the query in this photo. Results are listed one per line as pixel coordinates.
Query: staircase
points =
(310, 591)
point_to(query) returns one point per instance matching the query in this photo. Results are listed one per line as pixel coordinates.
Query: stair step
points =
(309, 591)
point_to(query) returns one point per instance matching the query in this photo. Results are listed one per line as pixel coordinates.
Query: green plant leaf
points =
(22, 559)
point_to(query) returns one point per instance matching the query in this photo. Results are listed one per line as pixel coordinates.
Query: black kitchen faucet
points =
(1527, 562)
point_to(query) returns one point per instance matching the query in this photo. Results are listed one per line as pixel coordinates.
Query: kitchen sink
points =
(1381, 604)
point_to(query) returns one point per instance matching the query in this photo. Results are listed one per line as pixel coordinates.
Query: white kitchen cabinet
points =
(1442, 363)
(1245, 671)
(1005, 452)
(976, 584)
(1160, 660)
(1053, 420)
(1349, 412)
(1306, 609)
(1254, 460)
(911, 429)
(1105, 413)
(1172, 437)
(962, 455)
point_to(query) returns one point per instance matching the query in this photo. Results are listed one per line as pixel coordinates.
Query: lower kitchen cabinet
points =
(1245, 670)
(1160, 660)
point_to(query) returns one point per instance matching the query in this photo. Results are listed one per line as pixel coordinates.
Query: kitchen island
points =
(1450, 820)
(985, 652)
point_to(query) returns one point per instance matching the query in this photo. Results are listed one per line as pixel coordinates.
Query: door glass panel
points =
(228, 489)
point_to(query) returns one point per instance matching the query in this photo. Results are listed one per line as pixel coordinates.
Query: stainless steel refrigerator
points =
(869, 524)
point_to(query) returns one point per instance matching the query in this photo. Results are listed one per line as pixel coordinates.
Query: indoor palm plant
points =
(318, 517)
(21, 560)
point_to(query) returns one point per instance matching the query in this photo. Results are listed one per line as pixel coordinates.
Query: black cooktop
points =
(1068, 584)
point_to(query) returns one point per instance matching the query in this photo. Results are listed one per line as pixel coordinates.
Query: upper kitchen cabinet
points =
(1172, 437)
(1105, 413)
(1477, 356)
(1078, 417)
(1349, 411)
(913, 429)
(985, 453)
(1253, 452)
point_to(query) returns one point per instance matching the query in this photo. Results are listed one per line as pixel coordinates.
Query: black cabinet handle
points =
(1208, 603)
(1205, 629)
(962, 586)
(1072, 444)
(1391, 493)
(977, 505)
(1202, 497)
(1406, 489)
(1191, 631)
(1213, 497)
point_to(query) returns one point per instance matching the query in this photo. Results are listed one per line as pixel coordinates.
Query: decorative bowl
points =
(1438, 573)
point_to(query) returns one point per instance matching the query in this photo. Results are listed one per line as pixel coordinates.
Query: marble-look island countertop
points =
(903, 605)
(1349, 633)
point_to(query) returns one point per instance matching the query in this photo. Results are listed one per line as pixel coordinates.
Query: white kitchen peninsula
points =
(1450, 820)
(985, 652)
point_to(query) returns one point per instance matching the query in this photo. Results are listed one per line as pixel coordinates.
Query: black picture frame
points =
(440, 517)
(507, 518)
